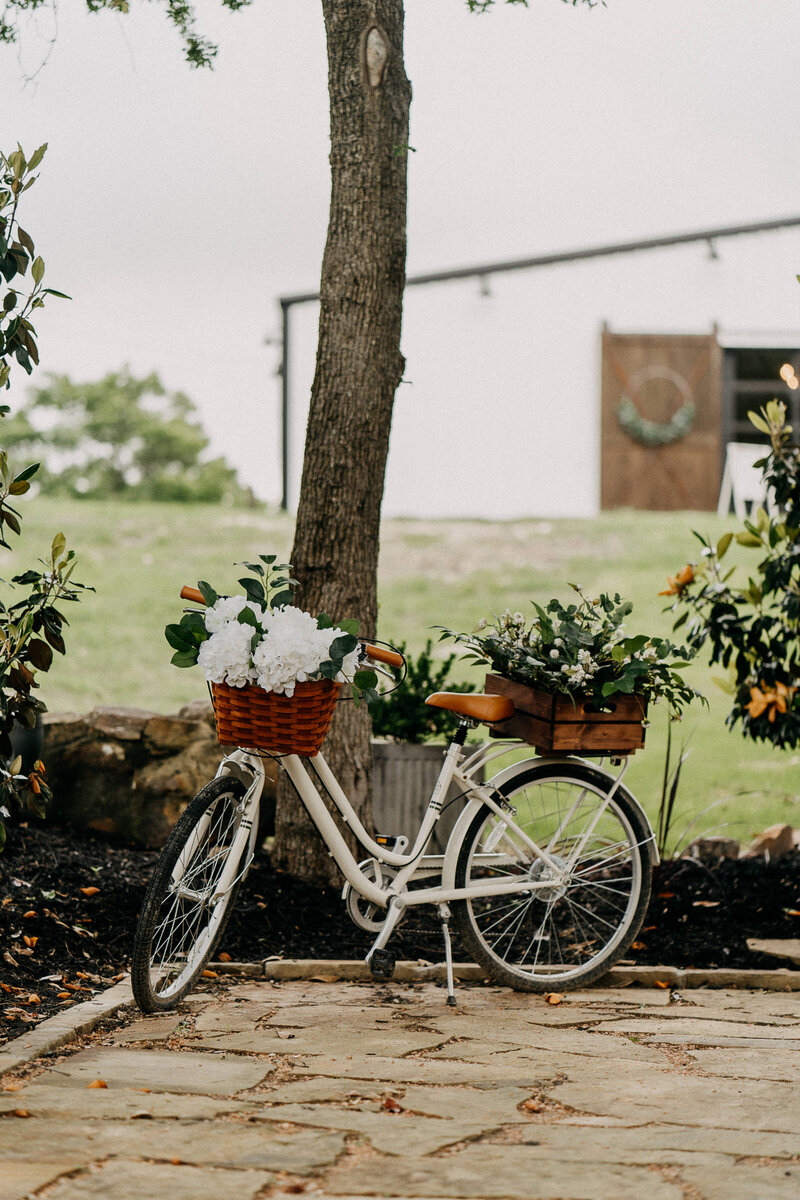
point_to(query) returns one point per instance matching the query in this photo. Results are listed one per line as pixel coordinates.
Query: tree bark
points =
(358, 368)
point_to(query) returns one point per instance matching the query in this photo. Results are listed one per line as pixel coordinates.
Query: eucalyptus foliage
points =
(581, 650)
(752, 625)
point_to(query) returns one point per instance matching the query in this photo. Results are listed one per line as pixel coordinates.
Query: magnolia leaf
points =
(184, 658)
(254, 590)
(723, 544)
(758, 421)
(210, 597)
(179, 637)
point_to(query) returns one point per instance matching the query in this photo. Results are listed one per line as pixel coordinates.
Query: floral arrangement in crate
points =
(752, 625)
(260, 638)
(581, 650)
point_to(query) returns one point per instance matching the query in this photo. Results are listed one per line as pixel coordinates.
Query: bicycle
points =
(546, 874)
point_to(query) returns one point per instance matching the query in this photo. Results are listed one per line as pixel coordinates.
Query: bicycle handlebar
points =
(190, 593)
(384, 655)
(381, 654)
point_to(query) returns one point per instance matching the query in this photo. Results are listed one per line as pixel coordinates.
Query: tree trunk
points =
(359, 366)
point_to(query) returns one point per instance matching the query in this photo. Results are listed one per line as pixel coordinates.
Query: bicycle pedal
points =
(381, 964)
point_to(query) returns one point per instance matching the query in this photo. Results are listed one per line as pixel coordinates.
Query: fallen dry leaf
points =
(224, 956)
(63, 996)
(210, 975)
(97, 1083)
(30, 913)
(21, 1112)
(553, 998)
(660, 983)
(13, 1086)
(34, 999)
(29, 941)
(706, 903)
(532, 1105)
(324, 978)
(638, 945)
(390, 1105)
(89, 891)
(6, 987)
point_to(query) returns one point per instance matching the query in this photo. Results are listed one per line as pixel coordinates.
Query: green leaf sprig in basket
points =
(581, 649)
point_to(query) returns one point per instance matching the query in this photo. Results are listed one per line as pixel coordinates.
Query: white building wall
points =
(499, 414)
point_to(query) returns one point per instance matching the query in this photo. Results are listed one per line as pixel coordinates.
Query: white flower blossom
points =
(225, 656)
(226, 609)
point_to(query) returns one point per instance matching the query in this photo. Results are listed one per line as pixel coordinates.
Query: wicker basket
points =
(297, 724)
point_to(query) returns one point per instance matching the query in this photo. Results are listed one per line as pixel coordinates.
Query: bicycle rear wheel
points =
(571, 933)
(183, 916)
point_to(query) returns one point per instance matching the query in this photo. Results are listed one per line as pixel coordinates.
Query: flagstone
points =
(160, 1070)
(46, 1100)
(203, 1143)
(741, 1181)
(651, 1094)
(150, 1029)
(416, 1070)
(539, 1047)
(19, 1179)
(501, 1171)
(139, 1180)
(749, 1063)
(689, 1027)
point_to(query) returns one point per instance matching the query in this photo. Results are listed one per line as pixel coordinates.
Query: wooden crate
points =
(567, 725)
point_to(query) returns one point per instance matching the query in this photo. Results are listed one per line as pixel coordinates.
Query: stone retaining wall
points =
(127, 771)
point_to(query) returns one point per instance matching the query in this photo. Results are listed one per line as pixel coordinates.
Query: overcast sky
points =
(176, 205)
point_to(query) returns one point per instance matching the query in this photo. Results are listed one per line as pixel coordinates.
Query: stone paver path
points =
(353, 1089)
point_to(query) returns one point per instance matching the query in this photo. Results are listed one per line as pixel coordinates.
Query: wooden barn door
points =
(661, 443)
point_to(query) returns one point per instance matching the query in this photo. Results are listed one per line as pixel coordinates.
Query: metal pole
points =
(284, 370)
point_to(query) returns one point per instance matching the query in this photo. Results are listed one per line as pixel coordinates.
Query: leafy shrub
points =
(403, 714)
(753, 627)
(32, 627)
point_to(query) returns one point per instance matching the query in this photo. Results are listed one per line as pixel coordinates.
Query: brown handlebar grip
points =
(382, 654)
(190, 593)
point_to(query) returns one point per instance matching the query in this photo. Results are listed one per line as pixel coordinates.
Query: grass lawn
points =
(451, 573)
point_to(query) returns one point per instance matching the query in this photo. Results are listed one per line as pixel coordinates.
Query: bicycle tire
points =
(570, 935)
(177, 932)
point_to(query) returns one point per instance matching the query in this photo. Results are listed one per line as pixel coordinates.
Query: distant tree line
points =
(120, 437)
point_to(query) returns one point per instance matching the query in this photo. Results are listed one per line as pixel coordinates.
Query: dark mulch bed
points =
(69, 901)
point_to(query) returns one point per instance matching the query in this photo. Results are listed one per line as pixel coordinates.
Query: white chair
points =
(742, 484)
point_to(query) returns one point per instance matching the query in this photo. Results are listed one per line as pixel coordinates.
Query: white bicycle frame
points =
(248, 766)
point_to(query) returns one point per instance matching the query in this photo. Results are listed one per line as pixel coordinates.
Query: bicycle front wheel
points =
(184, 914)
(569, 931)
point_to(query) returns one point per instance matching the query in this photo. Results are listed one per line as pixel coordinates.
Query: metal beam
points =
(481, 270)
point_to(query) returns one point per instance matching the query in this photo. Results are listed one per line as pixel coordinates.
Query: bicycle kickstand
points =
(444, 914)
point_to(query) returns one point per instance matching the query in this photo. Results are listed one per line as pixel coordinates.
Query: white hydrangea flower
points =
(225, 656)
(227, 609)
